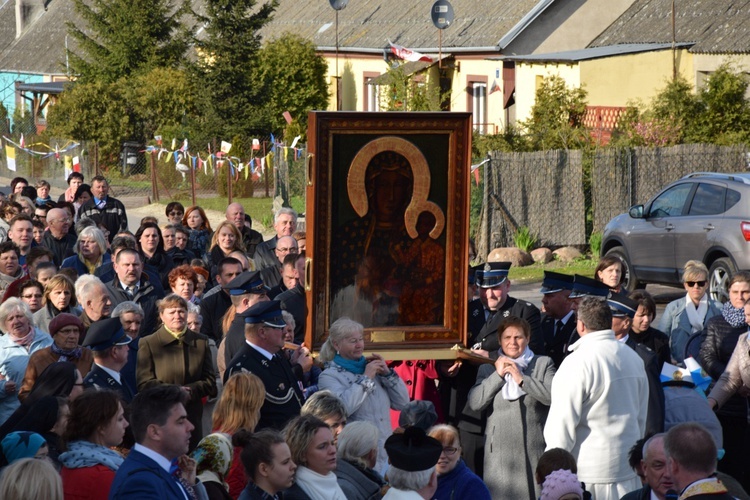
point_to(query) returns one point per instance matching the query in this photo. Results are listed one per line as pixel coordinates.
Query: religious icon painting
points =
(387, 222)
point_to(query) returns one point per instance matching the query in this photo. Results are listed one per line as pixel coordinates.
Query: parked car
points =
(703, 216)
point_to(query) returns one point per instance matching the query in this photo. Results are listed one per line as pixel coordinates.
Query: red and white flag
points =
(408, 54)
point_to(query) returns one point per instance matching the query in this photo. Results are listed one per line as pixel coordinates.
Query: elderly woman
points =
(723, 333)
(213, 457)
(357, 453)
(151, 246)
(176, 355)
(59, 297)
(96, 424)
(367, 386)
(311, 442)
(19, 341)
(268, 464)
(518, 388)
(91, 252)
(688, 315)
(67, 334)
(455, 479)
(196, 222)
(183, 280)
(609, 272)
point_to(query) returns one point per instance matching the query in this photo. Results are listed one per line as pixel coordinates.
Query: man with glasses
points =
(58, 237)
(264, 339)
(272, 274)
(285, 224)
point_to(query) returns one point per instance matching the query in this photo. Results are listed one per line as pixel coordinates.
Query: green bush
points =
(595, 244)
(524, 240)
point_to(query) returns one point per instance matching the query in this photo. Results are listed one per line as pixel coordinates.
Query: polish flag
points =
(408, 54)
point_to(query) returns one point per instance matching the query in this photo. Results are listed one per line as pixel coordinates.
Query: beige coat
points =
(736, 374)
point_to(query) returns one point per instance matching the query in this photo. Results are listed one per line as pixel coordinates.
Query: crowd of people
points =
(169, 361)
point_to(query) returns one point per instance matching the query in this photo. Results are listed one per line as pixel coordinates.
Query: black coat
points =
(146, 297)
(213, 309)
(112, 216)
(556, 346)
(295, 302)
(721, 339)
(657, 341)
(61, 249)
(655, 415)
(100, 379)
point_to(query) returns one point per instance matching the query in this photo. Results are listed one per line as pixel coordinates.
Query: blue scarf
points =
(355, 366)
(82, 454)
(67, 354)
(735, 317)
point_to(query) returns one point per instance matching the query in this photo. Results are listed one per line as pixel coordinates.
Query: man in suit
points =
(264, 338)
(285, 224)
(623, 311)
(655, 473)
(109, 343)
(559, 319)
(131, 283)
(162, 434)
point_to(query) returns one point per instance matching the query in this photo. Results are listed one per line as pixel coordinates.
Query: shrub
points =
(524, 240)
(595, 244)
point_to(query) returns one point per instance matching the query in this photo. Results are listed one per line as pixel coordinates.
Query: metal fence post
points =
(154, 186)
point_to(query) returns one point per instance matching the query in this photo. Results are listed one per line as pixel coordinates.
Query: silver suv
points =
(703, 216)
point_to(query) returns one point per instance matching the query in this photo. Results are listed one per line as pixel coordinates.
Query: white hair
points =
(356, 440)
(409, 481)
(14, 304)
(340, 329)
(285, 211)
(127, 307)
(87, 286)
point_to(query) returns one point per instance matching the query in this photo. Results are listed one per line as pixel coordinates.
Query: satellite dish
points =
(338, 4)
(442, 14)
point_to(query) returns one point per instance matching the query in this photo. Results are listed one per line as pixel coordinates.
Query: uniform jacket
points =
(100, 379)
(365, 401)
(163, 359)
(113, 215)
(599, 407)
(556, 346)
(283, 391)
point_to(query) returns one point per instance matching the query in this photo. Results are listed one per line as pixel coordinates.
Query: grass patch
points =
(258, 208)
(535, 272)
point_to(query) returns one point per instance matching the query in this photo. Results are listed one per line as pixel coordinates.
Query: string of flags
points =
(11, 148)
(209, 160)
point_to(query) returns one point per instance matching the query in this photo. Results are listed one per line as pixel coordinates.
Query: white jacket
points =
(599, 406)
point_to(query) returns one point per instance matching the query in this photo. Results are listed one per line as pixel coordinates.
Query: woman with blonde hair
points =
(91, 252)
(690, 314)
(225, 240)
(30, 478)
(238, 408)
(59, 297)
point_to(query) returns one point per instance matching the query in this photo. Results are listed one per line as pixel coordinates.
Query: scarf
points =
(26, 340)
(213, 456)
(511, 390)
(696, 315)
(735, 317)
(317, 486)
(355, 366)
(66, 355)
(176, 335)
(83, 454)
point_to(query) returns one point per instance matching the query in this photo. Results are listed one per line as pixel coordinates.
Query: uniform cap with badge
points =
(556, 282)
(246, 282)
(492, 274)
(584, 286)
(104, 334)
(622, 306)
(266, 312)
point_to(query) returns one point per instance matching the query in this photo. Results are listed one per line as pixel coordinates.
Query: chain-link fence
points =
(167, 172)
(562, 196)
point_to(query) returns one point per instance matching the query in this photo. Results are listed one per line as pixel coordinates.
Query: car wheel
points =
(630, 280)
(719, 274)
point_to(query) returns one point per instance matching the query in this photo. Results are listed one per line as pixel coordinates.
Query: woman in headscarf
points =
(213, 457)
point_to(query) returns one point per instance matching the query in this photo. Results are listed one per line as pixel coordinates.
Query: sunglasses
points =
(691, 284)
(171, 214)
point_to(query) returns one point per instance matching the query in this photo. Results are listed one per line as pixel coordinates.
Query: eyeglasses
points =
(700, 284)
(40, 216)
(32, 296)
(286, 250)
(173, 214)
(450, 451)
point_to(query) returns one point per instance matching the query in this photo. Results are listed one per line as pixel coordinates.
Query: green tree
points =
(556, 120)
(725, 116)
(406, 92)
(294, 77)
(122, 37)
(228, 51)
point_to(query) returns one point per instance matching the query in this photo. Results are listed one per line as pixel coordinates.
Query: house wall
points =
(529, 76)
(8, 87)
(620, 80)
(705, 64)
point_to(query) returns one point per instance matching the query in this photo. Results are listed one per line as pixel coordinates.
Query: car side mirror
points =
(636, 212)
